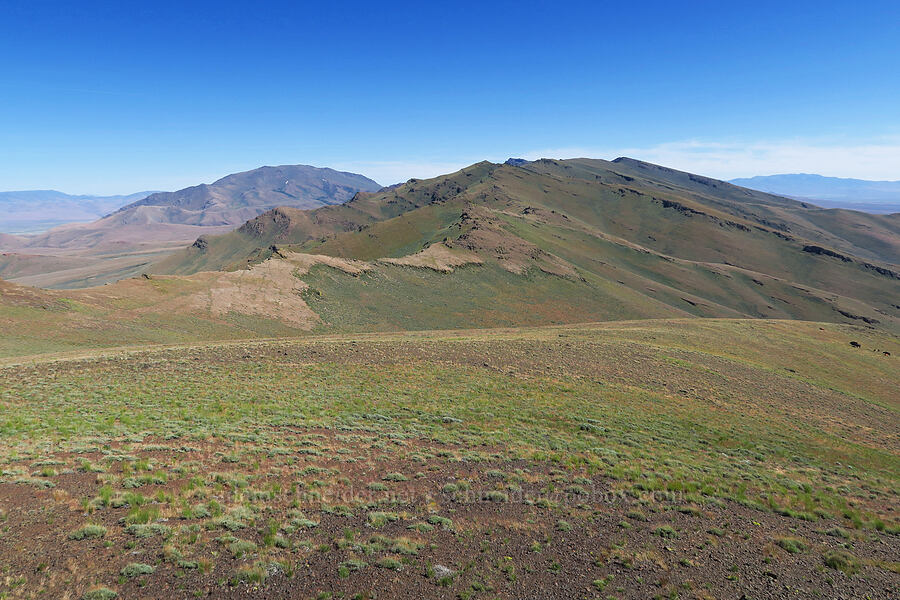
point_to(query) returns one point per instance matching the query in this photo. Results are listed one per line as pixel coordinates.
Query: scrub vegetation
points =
(681, 458)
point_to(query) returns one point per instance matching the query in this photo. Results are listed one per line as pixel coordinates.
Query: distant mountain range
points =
(121, 243)
(236, 198)
(34, 211)
(224, 204)
(830, 192)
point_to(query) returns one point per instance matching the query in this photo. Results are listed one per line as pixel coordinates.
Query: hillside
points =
(731, 458)
(35, 211)
(126, 242)
(585, 240)
(835, 192)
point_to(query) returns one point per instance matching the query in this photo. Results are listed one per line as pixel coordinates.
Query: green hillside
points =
(625, 238)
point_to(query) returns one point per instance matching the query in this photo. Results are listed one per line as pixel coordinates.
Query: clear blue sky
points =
(105, 97)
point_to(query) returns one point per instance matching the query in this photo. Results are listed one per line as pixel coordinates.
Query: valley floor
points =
(672, 458)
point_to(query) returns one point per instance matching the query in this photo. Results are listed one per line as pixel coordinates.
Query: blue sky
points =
(103, 97)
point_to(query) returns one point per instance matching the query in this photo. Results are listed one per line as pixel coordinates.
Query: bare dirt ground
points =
(270, 289)
(439, 257)
(549, 537)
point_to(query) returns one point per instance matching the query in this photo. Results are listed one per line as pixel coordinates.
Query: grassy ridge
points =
(393, 298)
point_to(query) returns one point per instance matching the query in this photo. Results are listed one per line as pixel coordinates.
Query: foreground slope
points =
(669, 458)
(636, 240)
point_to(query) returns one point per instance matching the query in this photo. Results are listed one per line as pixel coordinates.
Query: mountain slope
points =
(579, 239)
(862, 234)
(38, 210)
